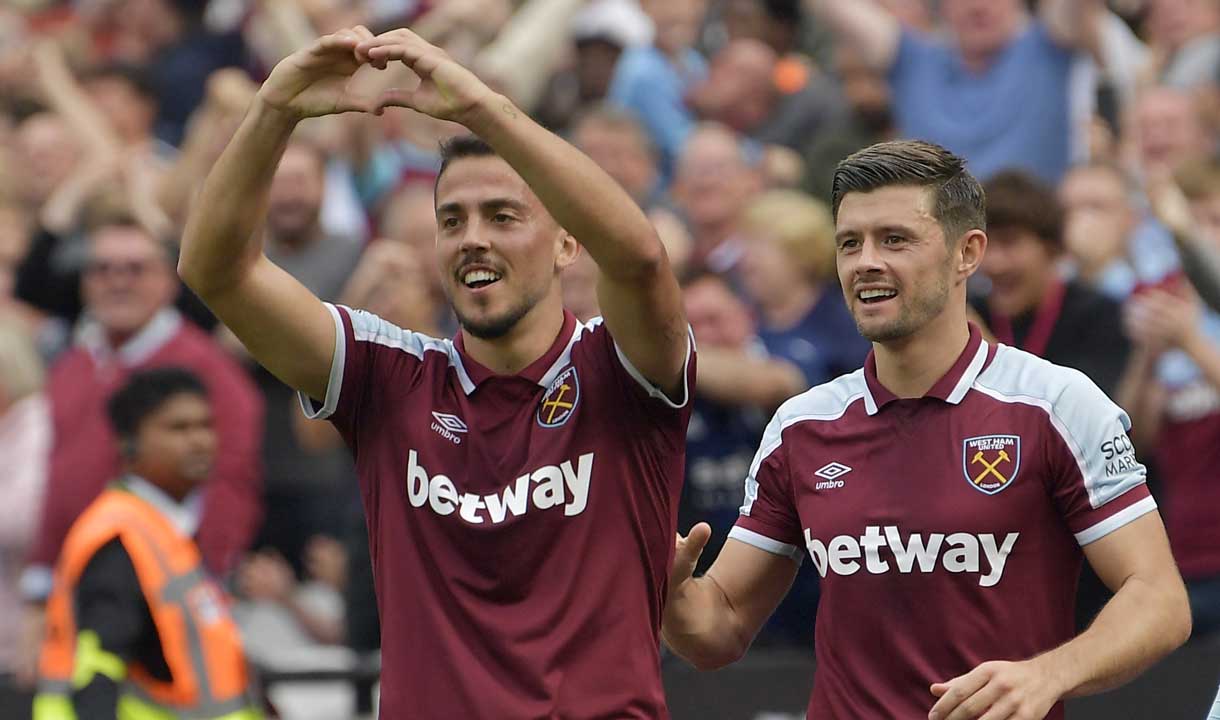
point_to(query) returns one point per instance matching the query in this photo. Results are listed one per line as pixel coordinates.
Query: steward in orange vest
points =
(135, 628)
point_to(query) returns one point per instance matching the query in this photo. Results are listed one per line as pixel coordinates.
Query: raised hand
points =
(318, 79)
(446, 90)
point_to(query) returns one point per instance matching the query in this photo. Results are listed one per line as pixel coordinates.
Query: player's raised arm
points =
(284, 326)
(639, 295)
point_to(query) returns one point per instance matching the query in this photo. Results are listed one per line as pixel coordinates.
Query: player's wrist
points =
(266, 111)
(488, 113)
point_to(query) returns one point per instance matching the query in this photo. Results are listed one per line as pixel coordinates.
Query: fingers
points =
(978, 703)
(688, 549)
(954, 692)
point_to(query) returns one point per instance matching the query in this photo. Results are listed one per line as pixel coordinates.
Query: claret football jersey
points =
(947, 529)
(521, 526)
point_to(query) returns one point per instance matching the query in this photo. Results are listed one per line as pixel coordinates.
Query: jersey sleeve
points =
(768, 519)
(1097, 483)
(641, 396)
(369, 353)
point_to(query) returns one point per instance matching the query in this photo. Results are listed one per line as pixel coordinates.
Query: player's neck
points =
(911, 366)
(527, 341)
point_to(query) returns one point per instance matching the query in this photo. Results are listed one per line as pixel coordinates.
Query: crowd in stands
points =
(1092, 124)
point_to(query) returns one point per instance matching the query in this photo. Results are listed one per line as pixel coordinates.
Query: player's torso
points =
(523, 537)
(937, 541)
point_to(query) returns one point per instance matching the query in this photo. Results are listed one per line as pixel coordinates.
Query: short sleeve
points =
(369, 352)
(1098, 485)
(768, 519)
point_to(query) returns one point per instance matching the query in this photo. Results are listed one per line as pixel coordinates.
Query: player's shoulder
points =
(1014, 375)
(828, 401)
(372, 329)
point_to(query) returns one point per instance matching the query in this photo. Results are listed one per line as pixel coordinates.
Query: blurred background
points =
(1093, 125)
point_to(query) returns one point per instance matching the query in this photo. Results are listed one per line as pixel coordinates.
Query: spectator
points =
(1030, 306)
(620, 145)
(747, 90)
(774, 22)
(1170, 129)
(1098, 228)
(1171, 391)
(307, 483)
(25, 442)
(995, 90)
(44, 141)
(788, 271)
(135, 625)
(130, 325)
(1187, 34)
(716, 177)
(600, 32)
(652, 81)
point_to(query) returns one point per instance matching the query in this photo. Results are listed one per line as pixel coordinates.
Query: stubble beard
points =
(914, 314)
(497, 326)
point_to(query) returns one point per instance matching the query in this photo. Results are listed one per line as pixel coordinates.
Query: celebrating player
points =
(945, 492)
(520, 481)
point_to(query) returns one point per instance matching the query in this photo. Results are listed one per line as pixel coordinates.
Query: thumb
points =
(939, 689)
(395, 97)
(687, 550)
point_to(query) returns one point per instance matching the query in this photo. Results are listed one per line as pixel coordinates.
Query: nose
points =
(869, 259)
(474, 238)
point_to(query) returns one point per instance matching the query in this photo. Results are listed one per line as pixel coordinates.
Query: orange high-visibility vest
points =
(198, 637)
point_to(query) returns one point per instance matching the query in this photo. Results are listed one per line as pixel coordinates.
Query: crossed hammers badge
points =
(990, 462)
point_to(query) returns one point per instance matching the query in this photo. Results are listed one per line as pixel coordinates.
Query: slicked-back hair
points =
(958, 200)
(145, 393)
(1019, 201)
(462, 146)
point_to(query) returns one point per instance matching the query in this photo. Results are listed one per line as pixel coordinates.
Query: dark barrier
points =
(776, 685)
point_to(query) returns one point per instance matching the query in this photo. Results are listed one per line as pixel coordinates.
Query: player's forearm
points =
(700, 626)
(581, 197)
(222, 239)
(1144, 621)
(730, 377)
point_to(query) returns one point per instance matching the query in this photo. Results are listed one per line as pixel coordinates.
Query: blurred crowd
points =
(1093, 125)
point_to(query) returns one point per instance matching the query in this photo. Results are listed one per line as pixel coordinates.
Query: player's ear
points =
(969, 252)
(566, 250)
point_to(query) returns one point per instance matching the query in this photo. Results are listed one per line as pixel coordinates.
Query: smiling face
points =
(500, 252)
(897, 271)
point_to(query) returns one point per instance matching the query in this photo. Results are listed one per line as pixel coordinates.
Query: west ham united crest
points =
(991, 462)
(560, 400)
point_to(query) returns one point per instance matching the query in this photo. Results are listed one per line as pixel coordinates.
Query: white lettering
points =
(872, 541)
(965, 556)
(578, 483)
(957, 553)
(549, 492)
(417, 482)
(514, 500)
(996, 557)
(553, 485)
(442, 496)
(915, 550)
(817, 551)
(471, 503)
(842, 553)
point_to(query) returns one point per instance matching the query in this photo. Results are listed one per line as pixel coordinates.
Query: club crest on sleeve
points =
(991, 462)
(560, 400)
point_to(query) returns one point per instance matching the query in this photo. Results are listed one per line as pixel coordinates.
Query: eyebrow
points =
(485, 206)
(887, 228)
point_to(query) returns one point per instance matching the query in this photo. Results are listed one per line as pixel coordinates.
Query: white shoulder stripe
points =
(762, 542)
(1079, 411)
(367, 327)
(826, 402)
(1115, 521)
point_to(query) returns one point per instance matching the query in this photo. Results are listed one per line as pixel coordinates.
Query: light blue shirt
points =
(1015, 114)
(649, 84)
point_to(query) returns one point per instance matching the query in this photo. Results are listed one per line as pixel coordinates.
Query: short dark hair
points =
(462, 146)
(1017, 200)
(959, 200)
(144, 393)
(137, 77)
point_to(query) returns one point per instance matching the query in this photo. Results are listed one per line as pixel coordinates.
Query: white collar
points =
(148, 340)
(183, 515)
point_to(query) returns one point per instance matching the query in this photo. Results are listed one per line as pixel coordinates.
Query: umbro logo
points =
(830, 474)
(447, 426)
